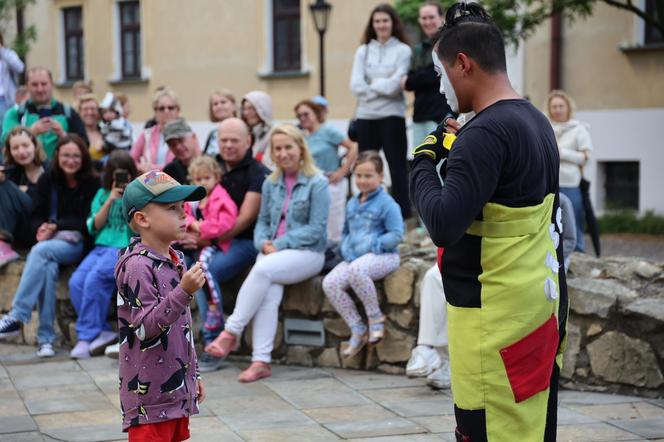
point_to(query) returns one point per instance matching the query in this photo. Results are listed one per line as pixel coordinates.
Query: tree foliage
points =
(519, 19)
(21, 43)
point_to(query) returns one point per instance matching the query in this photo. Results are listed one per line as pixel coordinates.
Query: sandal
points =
(225, 343)
(376, 330)
(355, 344)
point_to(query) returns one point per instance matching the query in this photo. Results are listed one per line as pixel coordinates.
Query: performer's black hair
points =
(469, 29)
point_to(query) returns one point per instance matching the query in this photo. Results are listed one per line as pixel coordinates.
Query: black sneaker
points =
(208, 363)
(9, 327)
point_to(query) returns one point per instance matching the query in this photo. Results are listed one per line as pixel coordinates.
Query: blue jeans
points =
(574, 194)
(224, 267)
(39, 281)
(90, 288)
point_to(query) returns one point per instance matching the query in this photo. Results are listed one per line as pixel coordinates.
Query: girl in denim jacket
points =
(373, 229)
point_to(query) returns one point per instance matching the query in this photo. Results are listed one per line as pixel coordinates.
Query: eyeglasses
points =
(302, 115)
(165, 108)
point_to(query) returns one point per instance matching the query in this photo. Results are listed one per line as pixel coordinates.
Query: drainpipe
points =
(556, 51)
(20, 28)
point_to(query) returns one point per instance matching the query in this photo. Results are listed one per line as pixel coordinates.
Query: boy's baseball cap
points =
(156, 187)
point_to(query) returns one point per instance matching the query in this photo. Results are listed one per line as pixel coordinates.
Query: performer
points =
(498, 218)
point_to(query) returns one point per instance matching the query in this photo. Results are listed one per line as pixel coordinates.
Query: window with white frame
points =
(72, 20)
(130, 39)
(286, 36)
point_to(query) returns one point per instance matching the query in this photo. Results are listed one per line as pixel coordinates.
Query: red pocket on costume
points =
(529, 361)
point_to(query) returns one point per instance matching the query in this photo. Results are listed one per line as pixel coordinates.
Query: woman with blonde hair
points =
(150, 151)
(221, 106)
(291, 236)
(88, 109)
(575, 147)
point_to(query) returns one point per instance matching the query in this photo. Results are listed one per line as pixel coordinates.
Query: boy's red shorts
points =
(175, 430)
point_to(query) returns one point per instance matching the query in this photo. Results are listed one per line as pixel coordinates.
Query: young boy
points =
(159, 382)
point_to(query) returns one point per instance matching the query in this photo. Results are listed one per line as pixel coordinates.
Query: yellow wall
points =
(594, 70)
(208, 44)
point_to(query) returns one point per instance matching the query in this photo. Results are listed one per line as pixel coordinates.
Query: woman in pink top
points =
(150, 151)
(212, 217)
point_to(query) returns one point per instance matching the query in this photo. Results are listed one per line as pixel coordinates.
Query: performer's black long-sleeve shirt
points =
(506, 154)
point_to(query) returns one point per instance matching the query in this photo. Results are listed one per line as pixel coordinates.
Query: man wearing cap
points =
(154, 319)
(182, 141)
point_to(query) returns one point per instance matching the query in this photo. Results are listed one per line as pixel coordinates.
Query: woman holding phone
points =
(92, 284)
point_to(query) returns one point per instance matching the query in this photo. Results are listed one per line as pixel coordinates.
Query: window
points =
(73, 33)
(286, 44)
(654, 8)
(621, 185)
(130, 39)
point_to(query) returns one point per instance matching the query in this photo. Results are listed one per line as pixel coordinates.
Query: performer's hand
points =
(436, 145)
(200, 391)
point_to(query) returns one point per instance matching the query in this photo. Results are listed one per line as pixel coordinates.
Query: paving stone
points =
(106, 416)
(437, 424)
(54, 379)
(68, 398)
(593, 432)
(22, 437)
(623, 411)
(349, 414)
(568, 417)
(282, 373)
(404, 438)
(648, 428)
(374, 428)
(317, 393)
(306, 434)
(364, 381)
(569, 397)
(278, 418)
(251, 405)
(98, 363)
(17, 424)
(205, 429)
(87, 433)
(11, 404)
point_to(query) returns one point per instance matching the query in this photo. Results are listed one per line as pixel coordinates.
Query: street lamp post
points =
(320, 11)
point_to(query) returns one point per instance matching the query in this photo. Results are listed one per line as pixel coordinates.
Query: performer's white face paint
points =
(445, 84)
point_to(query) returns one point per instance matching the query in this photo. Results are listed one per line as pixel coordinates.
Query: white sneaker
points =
(440, 378)
(112, 351)
(46, 351)
(423, 361)
(99, 344)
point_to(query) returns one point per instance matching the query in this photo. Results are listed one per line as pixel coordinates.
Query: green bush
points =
(627, 221)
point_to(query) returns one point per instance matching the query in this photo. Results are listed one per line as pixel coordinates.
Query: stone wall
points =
(615, 335)
(616, 326)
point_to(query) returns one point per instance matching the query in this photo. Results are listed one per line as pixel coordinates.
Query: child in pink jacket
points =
(212, 217)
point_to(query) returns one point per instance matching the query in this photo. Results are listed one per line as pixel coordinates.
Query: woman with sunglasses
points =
(324, 141)
(150, 151)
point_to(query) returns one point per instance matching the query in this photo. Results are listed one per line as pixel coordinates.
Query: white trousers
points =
(262, 291)
(433, 310)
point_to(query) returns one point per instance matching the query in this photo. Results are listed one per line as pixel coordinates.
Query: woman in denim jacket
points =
(373, 229)
(290, 235)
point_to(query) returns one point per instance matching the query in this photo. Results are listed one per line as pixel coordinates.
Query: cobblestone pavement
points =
(78, 401)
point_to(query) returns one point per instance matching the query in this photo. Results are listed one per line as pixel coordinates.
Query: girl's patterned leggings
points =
(360, 276)
(205, 257)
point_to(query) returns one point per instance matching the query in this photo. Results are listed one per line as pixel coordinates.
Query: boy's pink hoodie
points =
(219, 216)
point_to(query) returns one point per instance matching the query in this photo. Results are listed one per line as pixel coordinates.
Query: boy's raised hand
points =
(193, 279)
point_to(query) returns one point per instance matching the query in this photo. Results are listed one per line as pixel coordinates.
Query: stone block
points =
(305, 297)
(401, 315)
(72, 336)
(356, 362)
(594, 329)
(299, 355)
(62, 290)
(650, 307)
(584, 266)
(645, 269)
(337, 327)
(591, 297)
(572, 350)
(278, 338)
(391, 369)
(329, 358)
(371, 361)
(10, 275)
(615, 357)
(399, 285)
(395, 346)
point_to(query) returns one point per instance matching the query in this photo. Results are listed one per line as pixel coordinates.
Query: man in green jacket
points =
(46, 117)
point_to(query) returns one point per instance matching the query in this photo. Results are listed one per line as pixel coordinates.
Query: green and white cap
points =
(156, 187)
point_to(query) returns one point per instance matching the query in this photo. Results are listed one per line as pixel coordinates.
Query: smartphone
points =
(121, 177)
